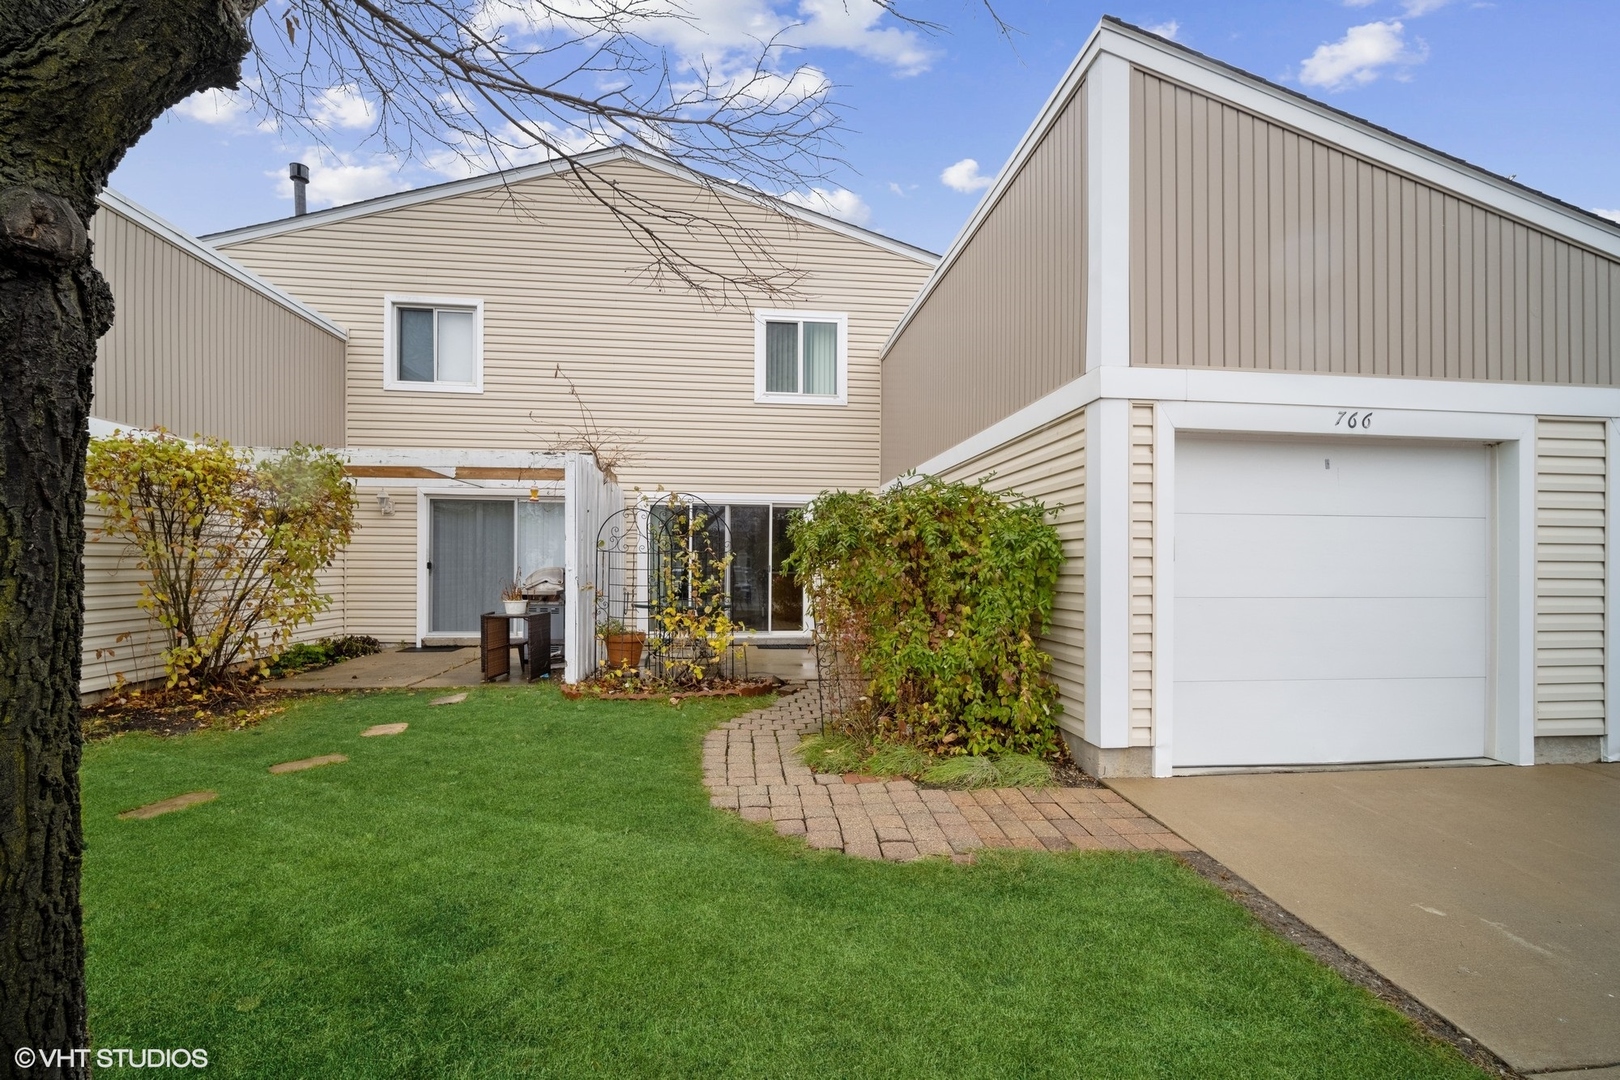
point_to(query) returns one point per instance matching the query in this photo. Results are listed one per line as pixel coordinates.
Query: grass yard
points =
(520, 885)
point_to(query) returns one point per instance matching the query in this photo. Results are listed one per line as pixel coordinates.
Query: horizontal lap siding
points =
(1142, 573)
(1006, 323)
(1050, 465)
(1571, 539)
(121, 641)
(380, 571)
(564, 283)
(194, 350)
(1256, 247)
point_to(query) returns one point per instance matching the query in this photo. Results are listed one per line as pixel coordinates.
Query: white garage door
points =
(1330, 601)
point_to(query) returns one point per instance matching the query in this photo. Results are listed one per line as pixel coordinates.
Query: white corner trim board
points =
(1108, 211)
(1610, 748)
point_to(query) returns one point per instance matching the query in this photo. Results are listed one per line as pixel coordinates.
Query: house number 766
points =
(1361, 421)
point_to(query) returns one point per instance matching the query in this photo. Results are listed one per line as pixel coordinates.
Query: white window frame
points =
(761, 395)
(392, 303)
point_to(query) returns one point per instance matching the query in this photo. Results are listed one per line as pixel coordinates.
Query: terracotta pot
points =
(624, 650)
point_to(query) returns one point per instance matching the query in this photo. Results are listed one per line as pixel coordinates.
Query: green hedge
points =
(938, 592)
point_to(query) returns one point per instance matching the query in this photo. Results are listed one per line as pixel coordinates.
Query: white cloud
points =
(1414, 8)
(1359, 3)
(337, 178)
(465, 155)
(838, 202)
(964, 177)
(215, 106)
(1167, 29)
(344, 107)
(1612, 215)
(1364, 53)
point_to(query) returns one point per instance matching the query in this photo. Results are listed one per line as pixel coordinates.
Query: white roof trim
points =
(1312, 118)
(594, 158)
(112, 200)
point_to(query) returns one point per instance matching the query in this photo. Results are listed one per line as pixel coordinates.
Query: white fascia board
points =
(1362, 139)
(112, 200)
(590, 160)
(434, 458)
(1355, 392)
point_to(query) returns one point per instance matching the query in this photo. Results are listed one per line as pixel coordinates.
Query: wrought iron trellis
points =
(659, 557)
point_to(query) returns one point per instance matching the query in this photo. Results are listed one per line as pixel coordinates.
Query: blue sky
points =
(1522, 88)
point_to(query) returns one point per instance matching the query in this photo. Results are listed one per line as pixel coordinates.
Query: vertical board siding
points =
(194, 350)
(1141, 573)
(1006, 323)
(565, 284)
(1571, 539)
(1253, 246)
(1050, 465)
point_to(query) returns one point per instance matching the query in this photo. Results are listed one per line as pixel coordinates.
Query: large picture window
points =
(433, 344)
(801, 357)
(764, 599)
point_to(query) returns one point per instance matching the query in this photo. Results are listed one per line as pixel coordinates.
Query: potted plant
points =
(513, 599)
(623, 645)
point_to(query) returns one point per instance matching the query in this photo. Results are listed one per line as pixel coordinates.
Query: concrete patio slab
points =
(1490, 894)
(396, 668)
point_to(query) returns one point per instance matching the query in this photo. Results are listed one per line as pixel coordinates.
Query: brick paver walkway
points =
(749, 766)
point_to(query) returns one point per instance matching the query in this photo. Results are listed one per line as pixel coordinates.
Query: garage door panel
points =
(1301, 722)
(1331, 600)
(1340, 477)
(1275, 555)
(1231, 640)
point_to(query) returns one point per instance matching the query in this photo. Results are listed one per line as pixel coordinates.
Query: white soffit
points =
(1309, 117)
(589, 160)
(139, 214)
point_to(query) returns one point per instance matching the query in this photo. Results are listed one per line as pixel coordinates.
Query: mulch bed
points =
(178, 711)
(607, 691)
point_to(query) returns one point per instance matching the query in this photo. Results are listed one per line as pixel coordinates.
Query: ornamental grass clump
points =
(935, 595)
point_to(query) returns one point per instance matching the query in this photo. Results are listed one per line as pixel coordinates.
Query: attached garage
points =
(1331, 600)
(1329, 420)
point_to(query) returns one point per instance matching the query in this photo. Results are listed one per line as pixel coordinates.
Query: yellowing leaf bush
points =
(938, 593)
(234, 545)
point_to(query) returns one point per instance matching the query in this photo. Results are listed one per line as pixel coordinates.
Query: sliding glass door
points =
(477, 546)
(763, 597)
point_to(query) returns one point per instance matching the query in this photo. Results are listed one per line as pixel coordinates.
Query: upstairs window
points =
(801, 357)
(434, 343)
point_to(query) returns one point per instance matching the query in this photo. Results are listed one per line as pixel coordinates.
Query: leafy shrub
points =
(938, 593)
(313, 655)
(973, 771)
(234, 545)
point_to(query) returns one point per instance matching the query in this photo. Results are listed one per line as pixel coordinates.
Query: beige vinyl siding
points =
(199, 352)
(380, 566)
(1571, 524)
(1049, 464)
(563, 282)
(121, 641)
(1142, 481)
(1253, 246)
(1006, 322)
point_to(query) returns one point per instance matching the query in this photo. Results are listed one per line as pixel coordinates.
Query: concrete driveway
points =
(1491, 894)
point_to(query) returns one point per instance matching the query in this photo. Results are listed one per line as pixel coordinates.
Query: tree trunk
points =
(80, 82)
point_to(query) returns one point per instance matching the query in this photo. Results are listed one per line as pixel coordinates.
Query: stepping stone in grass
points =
(178, 802)
(309, 763)
(384, 729)
(449, 699)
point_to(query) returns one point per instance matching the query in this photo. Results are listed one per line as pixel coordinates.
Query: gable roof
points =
(589, 160)
(1288, 107)
(194, 247)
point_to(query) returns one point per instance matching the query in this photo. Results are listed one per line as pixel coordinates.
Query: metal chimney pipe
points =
(298, 172)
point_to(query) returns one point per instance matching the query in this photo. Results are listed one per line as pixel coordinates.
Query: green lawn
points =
(526, 886)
